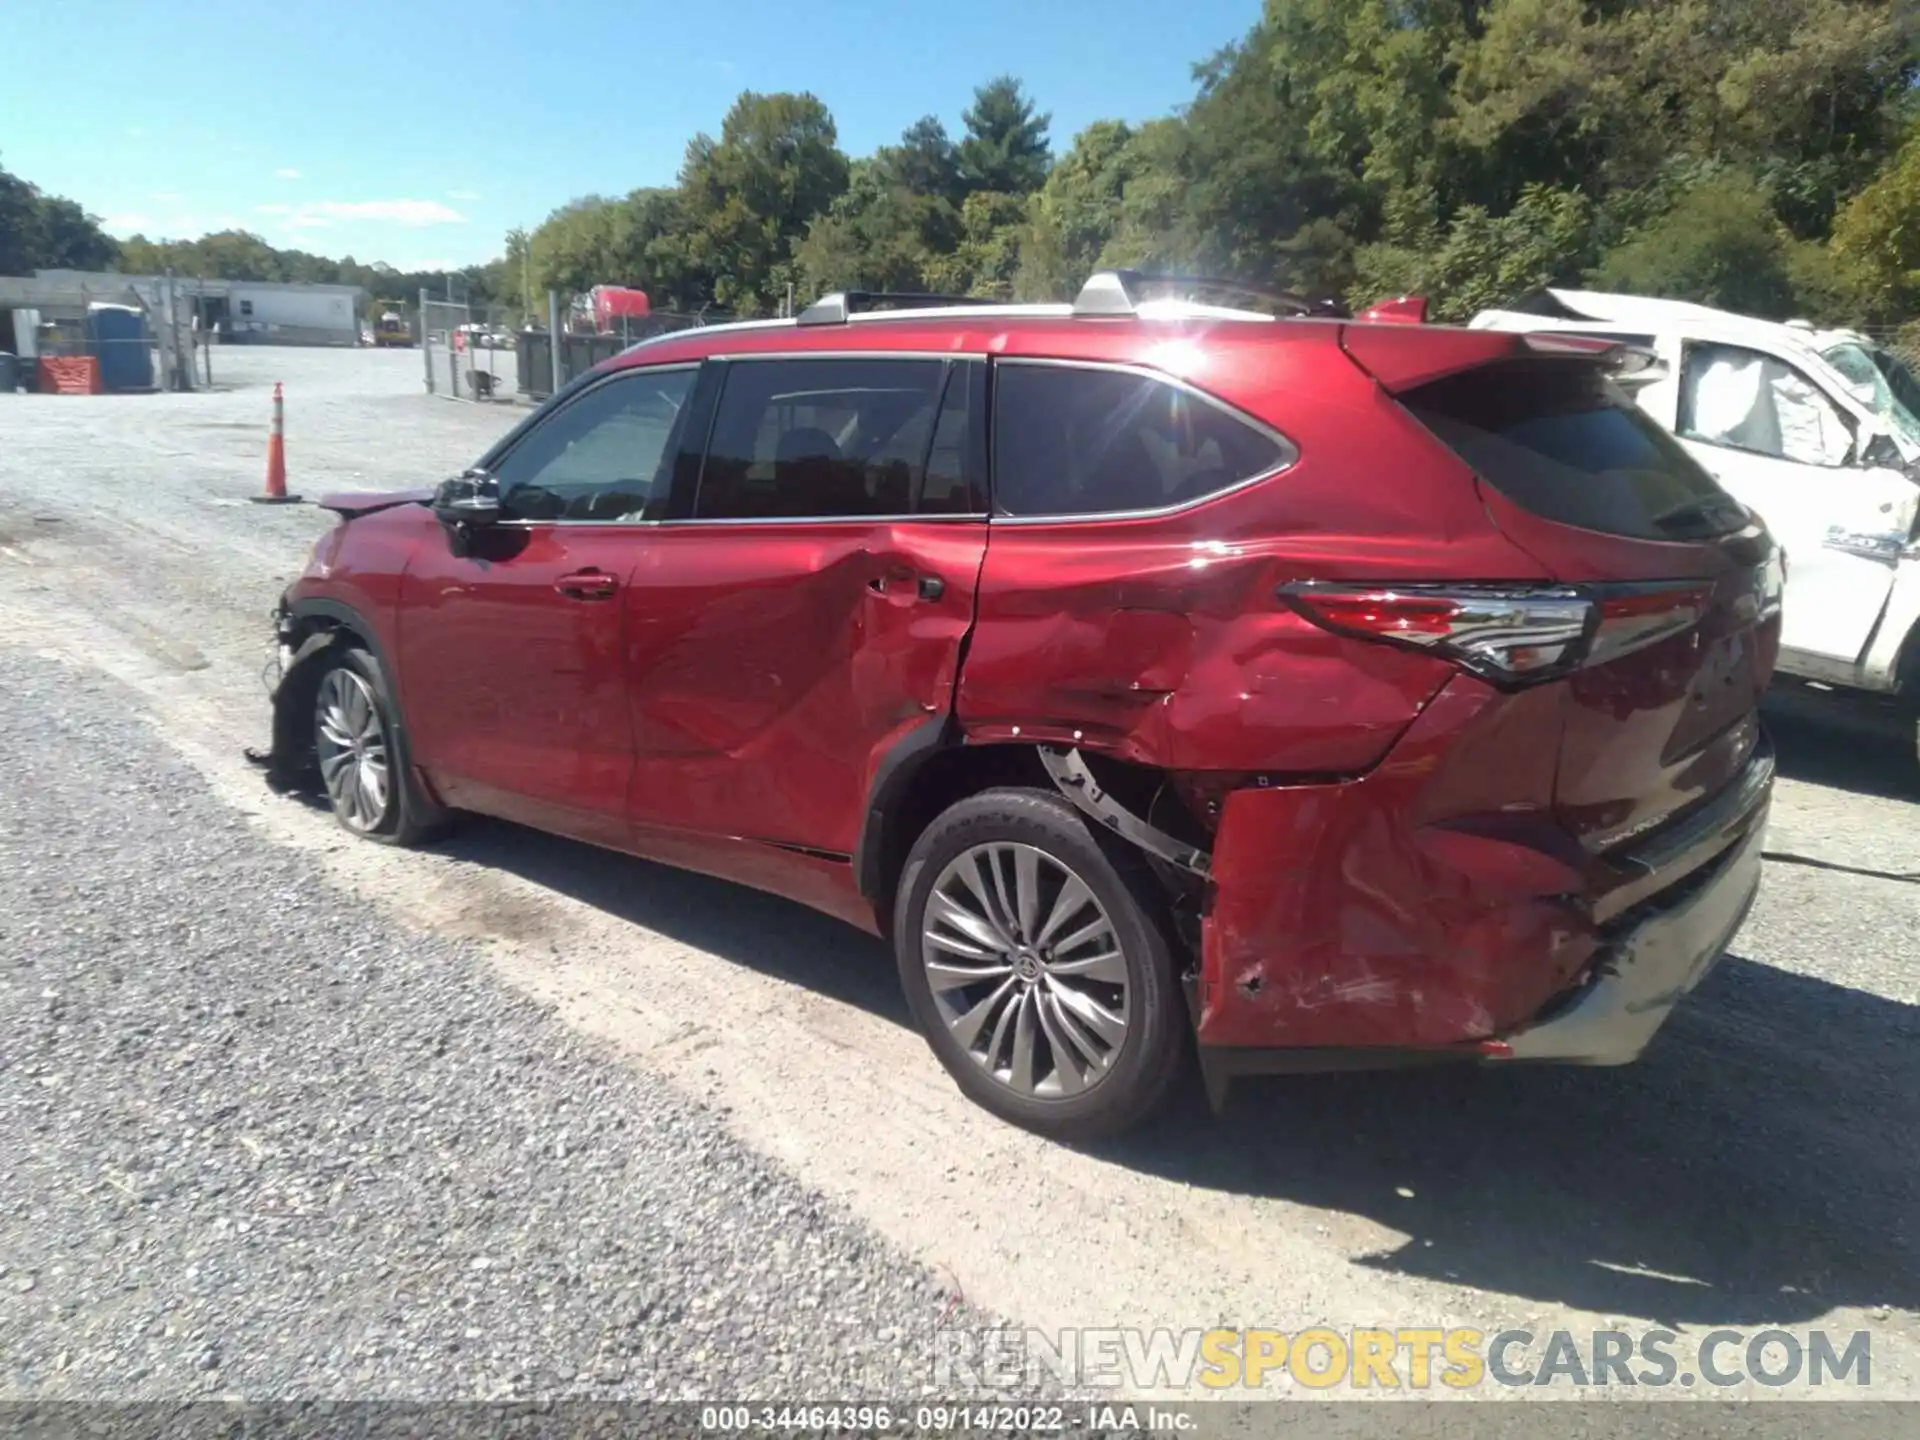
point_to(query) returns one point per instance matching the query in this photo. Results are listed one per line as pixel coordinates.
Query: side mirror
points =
(469, 499)
(466, 503)
(1880, 453)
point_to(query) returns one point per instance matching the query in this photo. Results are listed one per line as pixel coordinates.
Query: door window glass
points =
(1080, 441)
(953, 483)
(1750, 401)
(600, 457)
(808, 438)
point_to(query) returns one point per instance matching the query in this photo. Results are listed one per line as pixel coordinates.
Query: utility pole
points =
(426, 345)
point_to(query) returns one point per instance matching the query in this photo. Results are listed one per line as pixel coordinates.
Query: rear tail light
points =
(1510, 635)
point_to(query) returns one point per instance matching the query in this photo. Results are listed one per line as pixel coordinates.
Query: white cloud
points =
(132, 220)
(463, 194)
(167, 197)
(287, 172)
(410, 213)
(329, 214)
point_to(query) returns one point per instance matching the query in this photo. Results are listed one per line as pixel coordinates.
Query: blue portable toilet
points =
(117, 336)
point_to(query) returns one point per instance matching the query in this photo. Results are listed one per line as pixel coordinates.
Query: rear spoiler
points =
(1404, 354)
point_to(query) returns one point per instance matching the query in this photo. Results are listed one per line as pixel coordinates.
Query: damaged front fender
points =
(305, 653)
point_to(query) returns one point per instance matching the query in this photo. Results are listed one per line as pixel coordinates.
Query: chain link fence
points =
(582, 346)
(471, 352)
(140, 336)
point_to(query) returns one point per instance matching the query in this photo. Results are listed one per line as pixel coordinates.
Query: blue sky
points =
(418, 132)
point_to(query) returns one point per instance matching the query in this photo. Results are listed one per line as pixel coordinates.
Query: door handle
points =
(926, 587)
(587, 585)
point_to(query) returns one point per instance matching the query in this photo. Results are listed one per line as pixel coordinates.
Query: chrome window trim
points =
(597, 524)
(936, 518)
(612, 377)
(1289, 452)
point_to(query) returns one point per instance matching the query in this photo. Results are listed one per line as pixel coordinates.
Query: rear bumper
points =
(1435, 909)
(1651, 965)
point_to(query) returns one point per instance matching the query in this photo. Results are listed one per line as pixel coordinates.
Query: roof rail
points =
(1117, 292)
(834, 309)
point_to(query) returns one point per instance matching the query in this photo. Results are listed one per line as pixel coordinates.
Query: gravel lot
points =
(259, 1142)
(625, 1090)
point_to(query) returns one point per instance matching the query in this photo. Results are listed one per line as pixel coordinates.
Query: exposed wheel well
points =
(947, 776)
(953, 772)
(315, 640)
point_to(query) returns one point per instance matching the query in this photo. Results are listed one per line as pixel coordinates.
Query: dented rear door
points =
(1128, 605)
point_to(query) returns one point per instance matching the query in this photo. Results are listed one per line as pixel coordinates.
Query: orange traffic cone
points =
(276, 491)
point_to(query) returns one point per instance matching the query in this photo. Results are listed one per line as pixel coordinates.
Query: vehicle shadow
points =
(775, 937)
(1756, 1165)
(1862, 746)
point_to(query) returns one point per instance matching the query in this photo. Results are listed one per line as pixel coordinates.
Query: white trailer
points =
(294, 314)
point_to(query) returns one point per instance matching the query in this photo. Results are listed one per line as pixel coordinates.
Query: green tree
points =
(573, 248)
(876, 236)
(751, 194)
(1879, 233)
(1159, 227)
(1477, 259)
(1005, 148)
(48, 232)
(71, 239)
(986, 260)
(19, 221)
(1721, 245)
(1077, 212)
(925, 162)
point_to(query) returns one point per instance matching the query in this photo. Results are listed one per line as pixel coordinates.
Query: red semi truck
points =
(609, 310)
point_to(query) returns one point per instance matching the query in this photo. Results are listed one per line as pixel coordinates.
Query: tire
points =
(1059, 966)
(360, 749)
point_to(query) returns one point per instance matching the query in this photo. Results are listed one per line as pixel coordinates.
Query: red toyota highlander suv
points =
(1328, 693)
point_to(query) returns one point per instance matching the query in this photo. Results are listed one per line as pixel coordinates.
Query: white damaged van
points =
(1828, 458)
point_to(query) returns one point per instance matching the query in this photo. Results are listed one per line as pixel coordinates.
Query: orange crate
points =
(69, 375)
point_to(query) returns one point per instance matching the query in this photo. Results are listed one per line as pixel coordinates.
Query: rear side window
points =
(1075, 440)
(1558, 438)
(812, 438)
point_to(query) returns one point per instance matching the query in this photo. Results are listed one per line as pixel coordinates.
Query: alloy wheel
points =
(1026, 969)
(351, 744)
